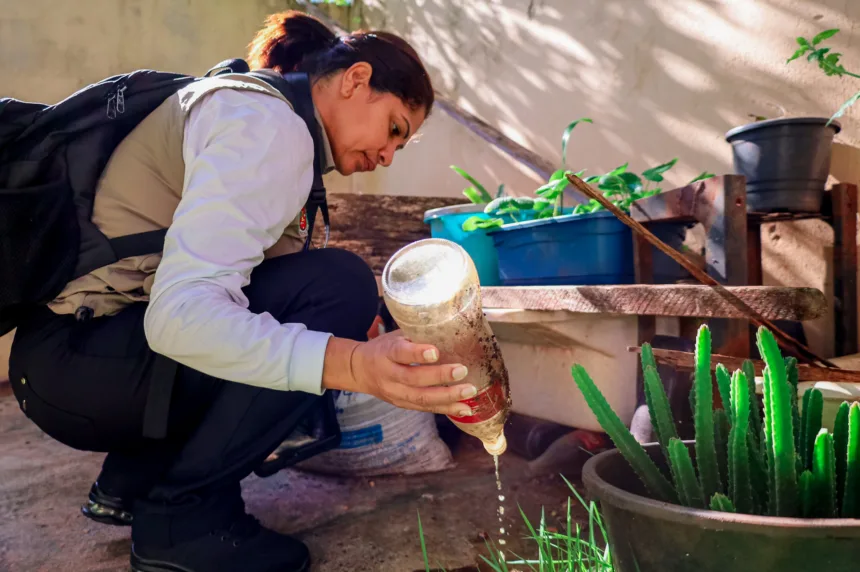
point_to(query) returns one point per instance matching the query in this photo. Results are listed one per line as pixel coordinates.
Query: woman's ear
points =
(355, 78)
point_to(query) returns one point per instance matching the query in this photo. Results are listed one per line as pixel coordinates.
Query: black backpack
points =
(51, 159)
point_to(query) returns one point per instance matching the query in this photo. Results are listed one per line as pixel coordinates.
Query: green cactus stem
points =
(706, 452)
(782, 434)
(652, 478)
(755, 409)
(758, 476)
(767, 443)
(807, 494)
(840, 446)
(724, 384)
(686, 483)
(722, 503)
(824, 471)
(851, 494)
(658, 406)
(792, 374)
(813, 406)
(740, 486)
(722, 427)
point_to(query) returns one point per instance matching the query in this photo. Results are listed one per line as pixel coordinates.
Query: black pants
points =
(85, 384)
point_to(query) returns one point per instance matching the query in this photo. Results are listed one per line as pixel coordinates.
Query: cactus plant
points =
(813, 406)
(792, 373)
(824, 471)
(851, 494)
(722, 503)
(724, 384)
(840, 446)
(652, 478)
(706, 452)
(781, 438)
(747, 462)
(684, 475)
(740, 486)
(755, 410)
(658, 406)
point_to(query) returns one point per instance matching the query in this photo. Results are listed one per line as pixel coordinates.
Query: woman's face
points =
(364, 127)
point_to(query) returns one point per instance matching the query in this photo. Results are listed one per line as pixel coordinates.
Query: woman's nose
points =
(386, 155)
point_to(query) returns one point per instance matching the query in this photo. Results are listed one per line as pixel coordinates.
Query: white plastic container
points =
(432, 290)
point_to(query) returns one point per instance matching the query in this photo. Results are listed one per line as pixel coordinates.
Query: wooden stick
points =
(787, 341)
(687, 361)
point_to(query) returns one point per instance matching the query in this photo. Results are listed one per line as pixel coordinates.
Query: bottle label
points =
(484, 405)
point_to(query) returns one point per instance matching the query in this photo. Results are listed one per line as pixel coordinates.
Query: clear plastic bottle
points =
(432, 291)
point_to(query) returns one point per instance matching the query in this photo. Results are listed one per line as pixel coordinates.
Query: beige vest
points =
(140, 190)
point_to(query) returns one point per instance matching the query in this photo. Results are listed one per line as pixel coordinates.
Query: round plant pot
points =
(582, 249)
(785, 161)
(447, 223)
(652, 536)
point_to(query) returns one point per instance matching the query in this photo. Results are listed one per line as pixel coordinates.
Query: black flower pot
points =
(785, 161)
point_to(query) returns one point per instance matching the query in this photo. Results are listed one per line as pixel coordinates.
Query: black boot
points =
(244, 546)
(209, 533)
(106, 509)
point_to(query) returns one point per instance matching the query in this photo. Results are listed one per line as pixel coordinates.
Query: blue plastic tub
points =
(447, 223)
(586, 249)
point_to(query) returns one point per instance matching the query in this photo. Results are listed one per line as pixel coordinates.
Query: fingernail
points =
(464, 413)
(430, 355)
(459, 372)
(470, 391)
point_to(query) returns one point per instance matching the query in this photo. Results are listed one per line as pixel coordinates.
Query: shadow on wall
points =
(660, 79)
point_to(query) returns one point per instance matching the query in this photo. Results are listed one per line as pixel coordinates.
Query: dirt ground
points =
(353, 525)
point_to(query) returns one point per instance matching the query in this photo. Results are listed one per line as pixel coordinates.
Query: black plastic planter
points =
(785, 162)
(651, 536)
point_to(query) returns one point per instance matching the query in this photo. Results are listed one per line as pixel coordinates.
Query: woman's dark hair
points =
(294, 41)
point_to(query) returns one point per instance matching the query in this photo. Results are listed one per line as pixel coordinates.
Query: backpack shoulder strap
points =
(296, 88)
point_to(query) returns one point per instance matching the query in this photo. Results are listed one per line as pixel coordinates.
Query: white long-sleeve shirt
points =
(248, 171)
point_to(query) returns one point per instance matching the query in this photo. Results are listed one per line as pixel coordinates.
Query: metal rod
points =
(787, 341)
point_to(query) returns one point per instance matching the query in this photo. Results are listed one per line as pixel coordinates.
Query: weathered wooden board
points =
(681, 300)
(376, 226)
(686, 361)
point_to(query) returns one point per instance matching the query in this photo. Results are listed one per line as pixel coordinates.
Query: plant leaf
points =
(484, 194)
(618, 170)
(740, 485)
(475, 222)
(558, 175)
(632, 181)
(566, 136)
(851, 496)
(821, 36)
(473, 195)
(800, 51)
(655, 174)
(704, 175)
(658, 406)
(686, 483)
(840, 446)
(501, 191)
(611, 182)
(851, 101)
(824, 470)
(722, 503)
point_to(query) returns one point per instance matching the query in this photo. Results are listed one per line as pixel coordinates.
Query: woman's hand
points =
(381, 367)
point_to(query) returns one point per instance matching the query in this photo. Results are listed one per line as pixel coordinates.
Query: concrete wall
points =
(660, 79)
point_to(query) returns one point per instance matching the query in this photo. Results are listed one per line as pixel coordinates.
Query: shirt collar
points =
(328, 159)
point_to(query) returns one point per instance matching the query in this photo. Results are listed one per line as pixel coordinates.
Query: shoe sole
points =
(139, 564)
(104, 515)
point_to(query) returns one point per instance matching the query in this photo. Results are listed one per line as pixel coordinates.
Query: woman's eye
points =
(395, 130)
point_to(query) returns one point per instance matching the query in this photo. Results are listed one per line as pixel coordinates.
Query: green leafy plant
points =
(620, 185)
(766, 468)
(827, 61)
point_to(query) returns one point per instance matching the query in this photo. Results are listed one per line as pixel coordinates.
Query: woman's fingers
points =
(442, 400)
(404, 352)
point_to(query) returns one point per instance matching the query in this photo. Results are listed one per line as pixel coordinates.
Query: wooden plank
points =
(844, 205)
(376, 226)
(690, 300)
(686, 361)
